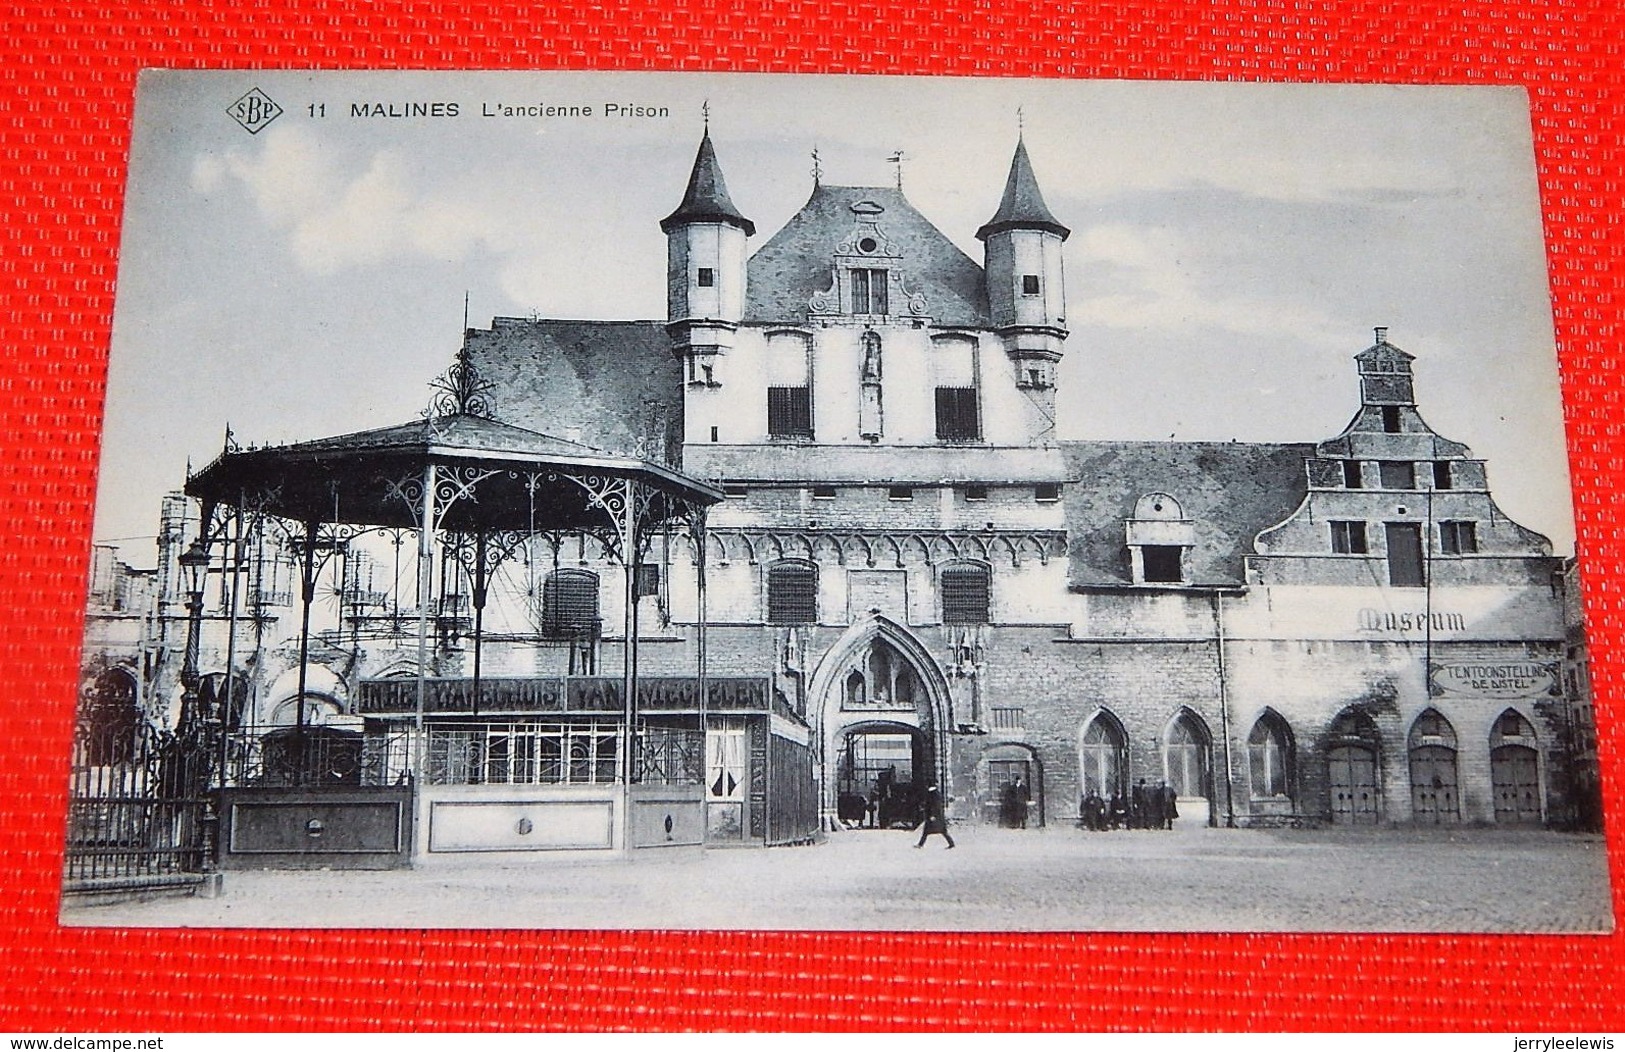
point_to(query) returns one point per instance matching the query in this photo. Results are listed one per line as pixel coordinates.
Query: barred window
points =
(789, 412)
(570, 601)
(1009, 719)
(1458, 538)
(1348, 538)
(957, 417)
(965, 595)
(792, 594)
(869, 292)
(524, 754)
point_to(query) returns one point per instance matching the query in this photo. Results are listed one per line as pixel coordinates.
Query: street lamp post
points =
(193, 742)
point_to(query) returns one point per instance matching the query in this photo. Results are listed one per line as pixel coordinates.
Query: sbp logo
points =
(254, 111)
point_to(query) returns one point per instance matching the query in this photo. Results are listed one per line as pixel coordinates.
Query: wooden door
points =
(1352, 774)
(1515, 773)
(1434, 796)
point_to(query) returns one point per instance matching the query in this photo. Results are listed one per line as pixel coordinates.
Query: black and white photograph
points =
(697, 501)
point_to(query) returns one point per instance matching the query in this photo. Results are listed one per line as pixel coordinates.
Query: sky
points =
(1232, 246)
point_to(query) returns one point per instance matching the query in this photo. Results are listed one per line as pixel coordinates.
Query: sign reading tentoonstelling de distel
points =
(1154, 493)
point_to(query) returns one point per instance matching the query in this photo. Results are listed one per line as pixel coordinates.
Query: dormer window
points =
(1159, 536)
(869, 291)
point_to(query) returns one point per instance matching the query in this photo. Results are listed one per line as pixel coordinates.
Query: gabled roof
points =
(1022, 207)
(706, 200)
(1230, 492)
(1383, 351)
(796, 262)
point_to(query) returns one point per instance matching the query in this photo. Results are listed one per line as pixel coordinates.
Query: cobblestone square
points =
(1055, 879)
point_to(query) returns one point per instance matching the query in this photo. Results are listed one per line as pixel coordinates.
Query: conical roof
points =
(706, 200)
(1022, 207)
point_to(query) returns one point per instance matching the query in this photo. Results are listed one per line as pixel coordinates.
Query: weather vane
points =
(705, 115)
(817, 168)
(897, 159)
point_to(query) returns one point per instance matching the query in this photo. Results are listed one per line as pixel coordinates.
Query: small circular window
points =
(868, 244)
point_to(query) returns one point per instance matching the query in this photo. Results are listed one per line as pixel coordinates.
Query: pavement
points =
(1055, 879)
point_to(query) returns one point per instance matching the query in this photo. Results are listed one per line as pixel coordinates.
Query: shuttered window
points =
(570, 601)
(965, 595)
(789, 412)
(792, 594)
(957, 418)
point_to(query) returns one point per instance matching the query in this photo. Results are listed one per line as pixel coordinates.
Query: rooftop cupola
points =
(1385, 373)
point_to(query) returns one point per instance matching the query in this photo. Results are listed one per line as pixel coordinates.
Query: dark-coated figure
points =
(936, 817)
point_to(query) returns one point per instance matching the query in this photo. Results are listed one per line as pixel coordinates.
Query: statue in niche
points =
(870, 423)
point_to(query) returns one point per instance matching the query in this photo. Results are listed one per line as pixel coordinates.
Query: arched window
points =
(1269, 757)
(1434, 795)
(570, 603)
(792, 593)
(966, 594)
(1186, 756)
(1103, 757)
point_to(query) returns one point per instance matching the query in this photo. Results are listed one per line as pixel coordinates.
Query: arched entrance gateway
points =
(880, 716)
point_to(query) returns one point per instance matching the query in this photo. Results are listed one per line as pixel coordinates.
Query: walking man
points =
(936, 819)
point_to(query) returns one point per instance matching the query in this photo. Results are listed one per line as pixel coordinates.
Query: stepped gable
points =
(796, 262)
(1231, 491)
(612, 385)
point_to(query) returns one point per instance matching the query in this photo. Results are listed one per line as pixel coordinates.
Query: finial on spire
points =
(1021, 123)
(818, 166)
(705, 115)
(897, 159)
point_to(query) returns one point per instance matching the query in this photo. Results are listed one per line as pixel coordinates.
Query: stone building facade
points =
(941, 591)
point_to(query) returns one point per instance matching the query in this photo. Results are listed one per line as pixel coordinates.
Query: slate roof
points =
(796, 262)
(706, 199)
(613, 385)
(1022, 207)
(1231, 491)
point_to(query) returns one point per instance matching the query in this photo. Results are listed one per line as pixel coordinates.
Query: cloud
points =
(336, 219)
(1148, 278)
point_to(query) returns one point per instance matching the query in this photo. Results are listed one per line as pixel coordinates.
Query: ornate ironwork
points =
(461, 390)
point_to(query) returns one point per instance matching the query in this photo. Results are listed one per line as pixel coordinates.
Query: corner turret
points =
(705, 269)
(1026, 284)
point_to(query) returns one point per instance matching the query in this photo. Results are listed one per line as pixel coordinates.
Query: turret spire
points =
(1022, 207)
(707, 200)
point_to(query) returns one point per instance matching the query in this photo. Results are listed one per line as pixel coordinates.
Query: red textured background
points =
(67, 77)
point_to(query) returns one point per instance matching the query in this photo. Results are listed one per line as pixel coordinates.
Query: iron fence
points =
(137, 804)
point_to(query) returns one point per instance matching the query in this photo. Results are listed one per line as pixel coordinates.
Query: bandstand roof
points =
(491, 475)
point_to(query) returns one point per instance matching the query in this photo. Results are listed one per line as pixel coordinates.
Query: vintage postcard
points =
(586, 500)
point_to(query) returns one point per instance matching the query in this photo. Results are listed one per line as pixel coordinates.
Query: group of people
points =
(1146, 807)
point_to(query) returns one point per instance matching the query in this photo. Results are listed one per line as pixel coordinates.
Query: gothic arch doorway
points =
(1187, 763)
(1435, 799)
(881, 718)
(1515, 770)
(1353, 775)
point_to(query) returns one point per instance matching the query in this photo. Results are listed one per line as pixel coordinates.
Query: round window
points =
(868, 244)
